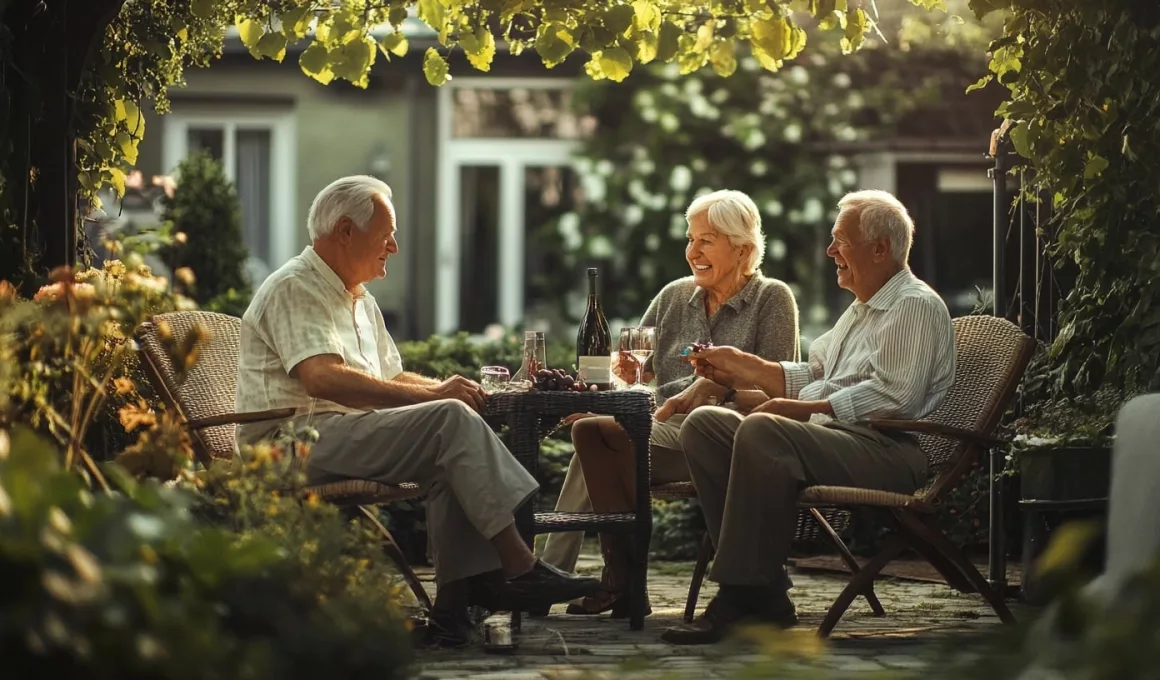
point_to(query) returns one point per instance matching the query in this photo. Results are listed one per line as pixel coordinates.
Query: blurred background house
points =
(493, 175)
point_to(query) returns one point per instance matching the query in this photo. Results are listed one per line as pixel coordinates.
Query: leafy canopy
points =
(615, 35)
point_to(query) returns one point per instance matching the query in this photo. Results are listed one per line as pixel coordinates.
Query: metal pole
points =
(996, 549)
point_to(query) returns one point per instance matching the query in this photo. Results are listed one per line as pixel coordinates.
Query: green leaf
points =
(980, 83)
(618, 18)
(825, 8)
(668, 41)
(433, 13)
(353, 60)
(554, 42)
(183, 34)
(856, 23)
(648, 17)
(931, 4)
(771, 36)
(689, 59)
(202, 8)
(394, 44)
(1021, 139)
(704, 36)
(1095, 165)
(296, 22)
(397, 15)
(272, 45)
(646, 47)
(250, 32)
(510, 9)
(315, 62)
(616, 63)
(723, 58)
(435, 67)
(767, 61)
(127, 146)
(480, 47)
(117, 179)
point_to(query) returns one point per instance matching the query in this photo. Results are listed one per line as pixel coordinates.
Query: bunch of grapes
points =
(556, 380)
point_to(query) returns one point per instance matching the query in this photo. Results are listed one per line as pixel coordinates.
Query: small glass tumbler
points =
(494, 378)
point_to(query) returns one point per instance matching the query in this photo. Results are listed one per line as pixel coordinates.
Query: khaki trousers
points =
(473, 485)
(749, 471)
(562, 549)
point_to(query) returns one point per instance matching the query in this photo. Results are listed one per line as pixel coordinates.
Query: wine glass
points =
(643, 339)
(626, 343)
(493, 378)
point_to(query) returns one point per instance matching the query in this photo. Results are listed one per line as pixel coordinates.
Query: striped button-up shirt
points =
(892, 356)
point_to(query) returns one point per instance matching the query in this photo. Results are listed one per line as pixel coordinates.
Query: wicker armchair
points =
(204, 398)
(991, 355)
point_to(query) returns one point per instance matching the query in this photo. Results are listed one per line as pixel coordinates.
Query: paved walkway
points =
(920, 616)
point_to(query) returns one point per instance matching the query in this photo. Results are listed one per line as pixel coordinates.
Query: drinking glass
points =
(493, 378)
(642, 340)
(624, 351)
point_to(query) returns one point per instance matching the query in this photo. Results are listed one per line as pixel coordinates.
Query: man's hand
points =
(700, 393)
(458, 387)
(724, 365)
(794, 409)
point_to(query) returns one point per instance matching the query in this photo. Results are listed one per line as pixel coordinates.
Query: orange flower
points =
(8, 292)
(123, 385)
(185, 275)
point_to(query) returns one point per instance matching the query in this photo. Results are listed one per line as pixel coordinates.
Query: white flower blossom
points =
(669, 122)
(677, 227)
(792, 133)
(749, 63)
(848, 177)
(799, 75)
(600, 247)
(847, 133)
(841, 80)
(652, 242)
(594, 186)
(646, 166)
(758, 168)
(774, 208)
(633, 215)
(681, 178)
(836, 161)
(719, 96)
(648, 115)
(830, 109)
(819, 314)
(605, 167)
(699, 164)
(754, 140)
(569, 229)
(670, 90)
(692, 86)
(813, 210)
(776, 249)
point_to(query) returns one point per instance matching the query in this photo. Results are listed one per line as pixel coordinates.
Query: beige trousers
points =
(562, 549)
(473, 484)
(749, 471)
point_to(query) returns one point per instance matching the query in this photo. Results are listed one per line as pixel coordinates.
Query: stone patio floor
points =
(921, 617)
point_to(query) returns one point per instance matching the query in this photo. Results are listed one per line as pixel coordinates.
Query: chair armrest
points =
(934, 428)
(241, 418)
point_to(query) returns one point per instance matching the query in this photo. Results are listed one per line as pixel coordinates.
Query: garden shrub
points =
(206, 220)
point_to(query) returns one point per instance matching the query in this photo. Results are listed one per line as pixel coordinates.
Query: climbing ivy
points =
(1083, 110)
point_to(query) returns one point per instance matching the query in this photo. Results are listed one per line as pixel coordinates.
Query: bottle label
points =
(596, 369)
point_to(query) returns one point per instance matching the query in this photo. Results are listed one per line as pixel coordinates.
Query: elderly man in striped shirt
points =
(891, 355)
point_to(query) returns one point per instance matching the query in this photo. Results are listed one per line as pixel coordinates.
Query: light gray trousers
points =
(473, 484)
(749, 471)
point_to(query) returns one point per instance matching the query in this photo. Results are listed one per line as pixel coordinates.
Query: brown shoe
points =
(721, 617)
(615, 582)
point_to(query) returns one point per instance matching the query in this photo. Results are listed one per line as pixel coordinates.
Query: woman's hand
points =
(702, 392)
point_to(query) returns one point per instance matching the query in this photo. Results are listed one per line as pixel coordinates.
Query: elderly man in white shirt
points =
(314, 339)
(891, 355)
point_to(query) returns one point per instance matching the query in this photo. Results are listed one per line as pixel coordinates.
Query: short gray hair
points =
(881, 215)
(347, 197)
(735, 215)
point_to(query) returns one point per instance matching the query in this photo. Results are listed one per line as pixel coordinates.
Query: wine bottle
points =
(594, 342)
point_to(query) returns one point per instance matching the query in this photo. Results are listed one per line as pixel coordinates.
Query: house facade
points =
(475, 166)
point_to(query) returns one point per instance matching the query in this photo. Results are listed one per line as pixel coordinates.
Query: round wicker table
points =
(533, 415)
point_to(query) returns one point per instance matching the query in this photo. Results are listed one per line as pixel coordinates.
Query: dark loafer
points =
(720, 618)
(449, 629)
(544, 586)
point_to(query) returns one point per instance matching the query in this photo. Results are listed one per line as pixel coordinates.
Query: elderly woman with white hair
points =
(726, 301)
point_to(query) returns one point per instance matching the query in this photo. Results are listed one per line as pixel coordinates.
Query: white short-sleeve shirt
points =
(304, 310)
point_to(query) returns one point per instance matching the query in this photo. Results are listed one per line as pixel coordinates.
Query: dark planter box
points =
(1067, 473)
(1059, 485)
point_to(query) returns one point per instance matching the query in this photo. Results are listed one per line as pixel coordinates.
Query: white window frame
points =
(512, 157)
(283, 162)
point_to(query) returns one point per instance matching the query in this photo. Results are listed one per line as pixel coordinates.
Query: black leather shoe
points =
(720, 618)
(544, 586)
(449, 628)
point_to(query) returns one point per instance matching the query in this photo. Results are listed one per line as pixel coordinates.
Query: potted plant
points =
(1062, 453)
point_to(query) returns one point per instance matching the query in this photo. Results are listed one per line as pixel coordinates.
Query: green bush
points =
(137, 584)
(445, 356)
(677, 530)
(204, 209)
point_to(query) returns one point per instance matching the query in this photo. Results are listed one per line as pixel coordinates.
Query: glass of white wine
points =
(642, 340)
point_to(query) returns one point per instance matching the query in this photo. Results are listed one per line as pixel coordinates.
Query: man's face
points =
(368, 250)
(859, 261)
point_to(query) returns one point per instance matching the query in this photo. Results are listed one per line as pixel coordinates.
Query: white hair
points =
(881, 215)
(347, 197)
(735, 215)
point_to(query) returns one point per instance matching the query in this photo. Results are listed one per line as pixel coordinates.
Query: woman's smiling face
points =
(714, 260)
